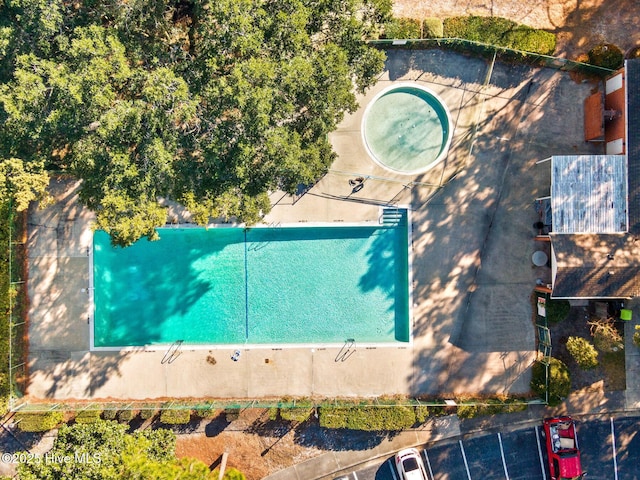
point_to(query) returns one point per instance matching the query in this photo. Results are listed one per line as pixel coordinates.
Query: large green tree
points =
(211, 103)
(104, 451)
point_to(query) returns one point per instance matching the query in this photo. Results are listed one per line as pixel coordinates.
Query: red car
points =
(563, 451)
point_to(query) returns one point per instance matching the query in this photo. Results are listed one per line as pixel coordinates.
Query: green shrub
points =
(432, 28)
(205, 411)
(229, 474)
(175, 416)
(368, 417)
(296, 414)
(490, 406)
(38, 422)
(606, 55)
(636, 336)
(148, 411)
(125, 416)
(500, 32)
(634, 53)
(422, 413)
(88, 416)
(559, 381)
(403, 28)
(557, 310)
(583, 352)
(110, 414)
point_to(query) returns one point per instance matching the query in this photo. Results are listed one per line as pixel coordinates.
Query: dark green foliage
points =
(213, 104)
(5, 299)
(148, 411)
(368, 417)
(490, 406)
(559, 381)
(88, 416)
(500, 32)
(104, 451)
(110, 414)
(125, 416)
(38, 422)
(175, 416)
(422, 413)
(432, 28)
(403, 28)
(636, 336)
(205, 411)
(606, 55)
(557, 310)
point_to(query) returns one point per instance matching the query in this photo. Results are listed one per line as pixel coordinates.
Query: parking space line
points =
(464, 457)
(613, 444)
(426, 458)
(355, 477)
(544, 473)
(504, 462)
(393, 470)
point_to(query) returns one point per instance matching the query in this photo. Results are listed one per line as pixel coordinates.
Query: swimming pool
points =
(407, 128)
(232, 286)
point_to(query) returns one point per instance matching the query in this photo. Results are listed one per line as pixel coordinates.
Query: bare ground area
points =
(579, 24)
(259, 447)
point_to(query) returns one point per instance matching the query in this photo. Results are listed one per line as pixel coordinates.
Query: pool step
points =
(394, 216)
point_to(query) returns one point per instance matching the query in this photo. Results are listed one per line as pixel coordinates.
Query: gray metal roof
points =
(589, 193)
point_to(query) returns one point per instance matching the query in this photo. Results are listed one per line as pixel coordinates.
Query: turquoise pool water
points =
(254, 286)
(407, 128)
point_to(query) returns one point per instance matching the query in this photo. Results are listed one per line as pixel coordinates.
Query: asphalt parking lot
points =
(610, 449)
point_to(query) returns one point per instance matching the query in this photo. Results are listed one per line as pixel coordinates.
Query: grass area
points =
(613, 364)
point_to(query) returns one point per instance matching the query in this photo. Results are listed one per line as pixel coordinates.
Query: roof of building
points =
(591, 260)
(589, 193)
(592, 266)
(633, 143)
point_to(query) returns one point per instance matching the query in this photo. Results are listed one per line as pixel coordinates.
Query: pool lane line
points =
(246, 289)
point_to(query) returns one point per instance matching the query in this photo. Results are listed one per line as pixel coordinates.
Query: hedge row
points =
(369, 418)
(496, 31)
(38, 421)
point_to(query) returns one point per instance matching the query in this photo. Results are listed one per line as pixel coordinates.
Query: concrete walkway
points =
(472, 244)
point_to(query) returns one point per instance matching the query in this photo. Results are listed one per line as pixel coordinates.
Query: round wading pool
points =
(407, 128)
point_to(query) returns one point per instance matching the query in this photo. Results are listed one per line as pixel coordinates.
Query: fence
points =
(501, 53)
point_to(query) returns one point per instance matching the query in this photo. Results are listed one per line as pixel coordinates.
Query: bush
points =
(636, 336)
(296, 414)
(633, 53)
(606, 55)
(38, 422)
(559, 381)
(490, 406)
(368, 418)
(231, 414)
(147, 412)
(557, 310)
(432, 28)
(583, 352)
(205, 411)
(500, 32)
(175, 416)
(403, 28)
(125, 416)
(88, 416)
(422, 413)
(110, 414)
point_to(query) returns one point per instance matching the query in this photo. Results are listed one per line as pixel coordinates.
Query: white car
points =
(409, 465)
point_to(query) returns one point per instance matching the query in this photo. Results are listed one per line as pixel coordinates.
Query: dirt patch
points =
(609, 375)
(578, 24)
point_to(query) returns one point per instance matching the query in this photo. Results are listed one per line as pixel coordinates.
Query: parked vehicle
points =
(409, 465)
(563, 451)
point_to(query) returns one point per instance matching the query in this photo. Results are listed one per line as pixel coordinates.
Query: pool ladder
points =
(392, 217)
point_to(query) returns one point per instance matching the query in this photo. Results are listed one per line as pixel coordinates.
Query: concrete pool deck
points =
(472, 244)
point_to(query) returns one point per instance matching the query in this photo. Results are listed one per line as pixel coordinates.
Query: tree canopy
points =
(213, 103)
(104, 451)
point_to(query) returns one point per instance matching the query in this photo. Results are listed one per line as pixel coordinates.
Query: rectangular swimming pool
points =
(269, 286)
